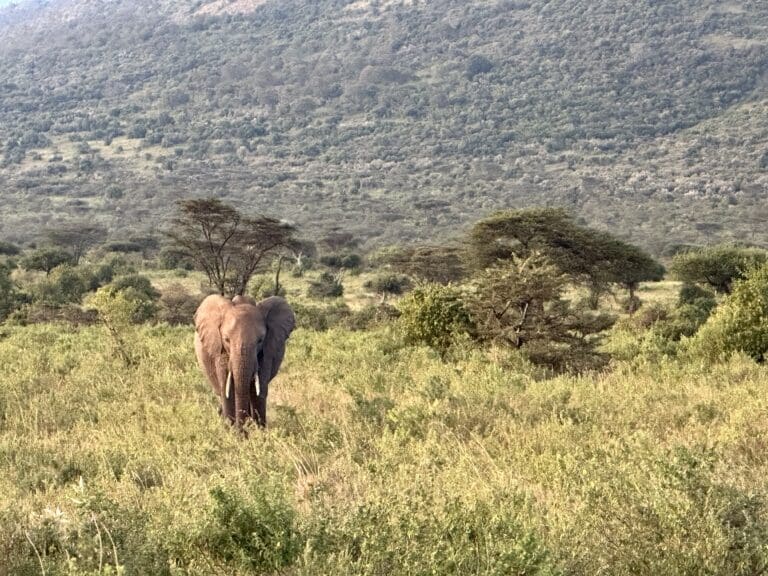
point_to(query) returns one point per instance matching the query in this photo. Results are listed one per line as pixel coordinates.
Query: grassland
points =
(379, 459)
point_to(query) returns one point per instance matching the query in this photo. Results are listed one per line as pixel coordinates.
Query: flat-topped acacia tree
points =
(225, 244)
(594, 258)
(76, 238)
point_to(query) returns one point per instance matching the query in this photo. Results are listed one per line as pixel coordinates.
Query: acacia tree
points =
(426, 262)
(519, 303)
(613, 261)
(224, 244)
(717, 266)
(76, 238)
(46, 259)
(591, 257)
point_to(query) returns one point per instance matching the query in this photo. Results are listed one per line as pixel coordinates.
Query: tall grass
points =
(379, 459)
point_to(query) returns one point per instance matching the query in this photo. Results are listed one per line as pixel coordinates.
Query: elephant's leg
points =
(259, 404)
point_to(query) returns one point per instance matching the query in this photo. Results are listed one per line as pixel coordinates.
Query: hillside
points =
(396, 120)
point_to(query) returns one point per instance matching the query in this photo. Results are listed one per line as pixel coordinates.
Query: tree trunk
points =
(277, 275)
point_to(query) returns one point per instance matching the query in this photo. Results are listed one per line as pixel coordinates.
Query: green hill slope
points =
(397, 120)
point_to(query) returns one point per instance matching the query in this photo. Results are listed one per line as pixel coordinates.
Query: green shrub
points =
(326, 286)
(140, 284)
(96, 276)
(171, 259)
(371, 316)
(691, 293)
(739, 323)
(434, 314)
(130, 299)
(342, 261)
(120, 310)
(253, 529)
(687, 318)
(8, 249)
(11, 299)
(263, 286)
(520, 304)
(320, 318)
(388, 284)
(64, 285)
(177, 306)
(123, 246)
(420, 532)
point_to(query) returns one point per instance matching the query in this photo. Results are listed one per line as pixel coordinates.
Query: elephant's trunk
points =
(243, 367)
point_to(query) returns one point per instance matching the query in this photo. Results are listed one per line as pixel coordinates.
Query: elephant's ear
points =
(280, 322)
(208, 319)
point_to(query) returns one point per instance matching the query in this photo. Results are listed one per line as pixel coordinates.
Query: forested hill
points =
(396, 120)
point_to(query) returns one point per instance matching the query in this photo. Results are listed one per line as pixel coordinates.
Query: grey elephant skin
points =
(240, 344)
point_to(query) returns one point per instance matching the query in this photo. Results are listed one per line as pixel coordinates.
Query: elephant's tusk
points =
(257, 384)
(228, 389)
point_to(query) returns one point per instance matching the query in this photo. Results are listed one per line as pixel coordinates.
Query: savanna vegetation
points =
(477, 384)
(496, 414)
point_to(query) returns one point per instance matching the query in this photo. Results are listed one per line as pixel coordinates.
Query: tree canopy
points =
(226, 245)
(76, 238)
(46, 259)
(437, 263)
(593, 257)
(716, 266)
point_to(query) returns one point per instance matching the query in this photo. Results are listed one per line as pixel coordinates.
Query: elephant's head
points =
(245, 340)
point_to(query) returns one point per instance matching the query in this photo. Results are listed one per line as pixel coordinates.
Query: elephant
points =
(240, 344)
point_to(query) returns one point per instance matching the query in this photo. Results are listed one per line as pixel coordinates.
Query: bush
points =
(130, 299)
(8, 249)
(252, 530)
(351, 261)
(120, 310)
(446, 535)
(320, 318)
(342, 261)
(65, 285)
(388, 284)
(174, 260)
(691, 293)
(263, 286)
(739, 323)
(326, 286)
(141, 284)
(371, 316)
(10, 297)
(177, 306)
(123, 246)
(520, 304)
(694, 307)
(96, 275)
(434, 314)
